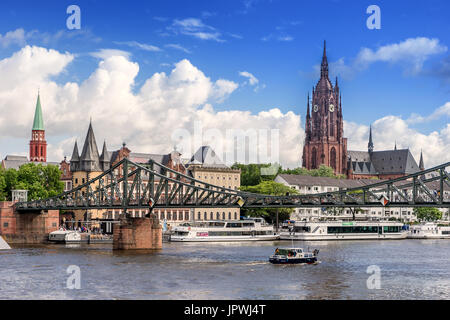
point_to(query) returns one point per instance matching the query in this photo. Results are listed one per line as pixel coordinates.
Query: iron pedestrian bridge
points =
(128, 185)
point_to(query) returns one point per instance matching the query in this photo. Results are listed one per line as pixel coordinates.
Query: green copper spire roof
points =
(38, 123)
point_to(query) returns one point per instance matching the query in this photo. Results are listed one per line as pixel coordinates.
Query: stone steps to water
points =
(3, 244)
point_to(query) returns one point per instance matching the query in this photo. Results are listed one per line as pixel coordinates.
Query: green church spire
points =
(38, 123)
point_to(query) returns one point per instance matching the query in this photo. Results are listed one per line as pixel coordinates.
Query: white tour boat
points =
(342, 230)
(65, 236)
(255, 229)
(429, 230)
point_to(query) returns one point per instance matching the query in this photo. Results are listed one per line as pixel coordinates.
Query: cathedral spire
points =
(370, 145)
(307, 109)
(324, 65)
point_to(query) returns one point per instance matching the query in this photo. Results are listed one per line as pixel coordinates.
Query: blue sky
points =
(279, 42)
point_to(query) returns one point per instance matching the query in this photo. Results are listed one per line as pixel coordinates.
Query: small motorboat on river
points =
(293, 256)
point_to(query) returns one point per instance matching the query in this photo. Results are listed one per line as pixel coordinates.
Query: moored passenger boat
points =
(243, 230)
(293, 256)
(429, 230)
(65, 236)
(342, 230)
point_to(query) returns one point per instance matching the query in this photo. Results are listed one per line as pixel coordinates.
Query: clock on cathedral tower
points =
(324, 130)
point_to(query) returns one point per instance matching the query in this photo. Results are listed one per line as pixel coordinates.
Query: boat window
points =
(234, 225)
(302, 229)
(353, 229)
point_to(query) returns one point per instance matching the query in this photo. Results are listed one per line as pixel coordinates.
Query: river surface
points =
(409, 269)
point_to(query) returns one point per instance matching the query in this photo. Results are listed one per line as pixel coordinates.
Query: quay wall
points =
(26, 228)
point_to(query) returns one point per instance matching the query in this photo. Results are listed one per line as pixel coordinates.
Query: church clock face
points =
(316, 108)
(331, 107)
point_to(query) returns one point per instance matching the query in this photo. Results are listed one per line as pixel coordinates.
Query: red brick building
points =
(324, 141)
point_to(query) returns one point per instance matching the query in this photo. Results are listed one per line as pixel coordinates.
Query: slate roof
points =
(206, 157)
(383, 162)
(15, 162)
(394, 162)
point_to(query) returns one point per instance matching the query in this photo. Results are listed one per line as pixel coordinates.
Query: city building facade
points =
(206, 166)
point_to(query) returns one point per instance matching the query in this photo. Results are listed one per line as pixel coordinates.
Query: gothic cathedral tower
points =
(324, 141)
(38, 145)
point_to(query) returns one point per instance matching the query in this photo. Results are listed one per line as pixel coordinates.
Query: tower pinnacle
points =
(370, 144)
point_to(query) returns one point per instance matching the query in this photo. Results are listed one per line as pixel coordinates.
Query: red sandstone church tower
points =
(38, 145)
(324, 129)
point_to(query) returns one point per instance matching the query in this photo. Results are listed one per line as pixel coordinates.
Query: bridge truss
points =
(128, 185)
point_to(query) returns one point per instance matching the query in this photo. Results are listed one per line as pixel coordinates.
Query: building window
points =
(218, 215)
(229, 215)
(235, 216)
(175, 215)
(5, 225)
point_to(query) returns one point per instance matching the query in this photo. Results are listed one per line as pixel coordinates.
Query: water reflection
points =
(410, 269)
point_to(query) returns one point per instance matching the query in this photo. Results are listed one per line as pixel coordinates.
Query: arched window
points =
(333, 158)
(314, 159)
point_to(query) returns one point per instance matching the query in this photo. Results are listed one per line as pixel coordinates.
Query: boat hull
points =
(292, 260)
(174, 238)
(310, 237)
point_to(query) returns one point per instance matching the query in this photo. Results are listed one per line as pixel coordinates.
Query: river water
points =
(409, 269)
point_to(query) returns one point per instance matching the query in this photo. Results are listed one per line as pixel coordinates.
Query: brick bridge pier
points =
(26, 228)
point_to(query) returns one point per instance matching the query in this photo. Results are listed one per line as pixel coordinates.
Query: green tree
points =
(274, 189)
(322, 171)
(3, 192)
(253, 174)
(428, 213)
(40, 181)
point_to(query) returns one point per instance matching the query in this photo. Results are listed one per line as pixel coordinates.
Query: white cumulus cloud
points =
(144, 117)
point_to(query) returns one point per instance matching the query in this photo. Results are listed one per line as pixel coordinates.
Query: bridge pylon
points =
(138, 233)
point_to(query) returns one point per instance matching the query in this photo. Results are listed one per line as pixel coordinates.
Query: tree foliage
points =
(40, 181)
(270, 188)
(322, 171)
(428, 213)
(254, 174)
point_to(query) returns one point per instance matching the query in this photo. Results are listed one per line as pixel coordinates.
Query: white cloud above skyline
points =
(145, 117)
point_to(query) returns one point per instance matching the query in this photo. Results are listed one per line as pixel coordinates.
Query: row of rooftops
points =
(311, 181)
(91, 161)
